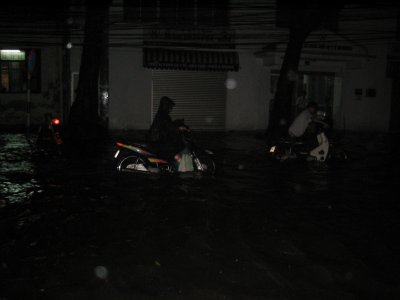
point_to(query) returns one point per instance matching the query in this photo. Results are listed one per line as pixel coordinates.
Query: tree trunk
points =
(302, 23)
(281, 109)
(85, 123)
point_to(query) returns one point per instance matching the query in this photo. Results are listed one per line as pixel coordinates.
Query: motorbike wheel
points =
(133, 163)
(207, 165)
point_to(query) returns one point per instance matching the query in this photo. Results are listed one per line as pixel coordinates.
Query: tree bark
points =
(281, 109)
(85, 122)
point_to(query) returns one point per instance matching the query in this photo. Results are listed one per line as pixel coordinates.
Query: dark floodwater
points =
(72, 228)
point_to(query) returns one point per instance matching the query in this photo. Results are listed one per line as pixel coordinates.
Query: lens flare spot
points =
(101, 272)
(230, 84)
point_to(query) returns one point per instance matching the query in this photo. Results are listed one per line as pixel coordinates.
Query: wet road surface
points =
(72, 228)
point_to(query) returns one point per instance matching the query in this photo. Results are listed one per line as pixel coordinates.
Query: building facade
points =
(31, 66)
(219, 60)
(344, 71)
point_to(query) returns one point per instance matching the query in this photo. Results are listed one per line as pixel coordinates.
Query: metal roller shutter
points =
(200, 97)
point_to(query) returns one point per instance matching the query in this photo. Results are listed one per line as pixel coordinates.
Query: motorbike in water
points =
(322, 149)
(143, 158)
(287, 148)
(49, 138)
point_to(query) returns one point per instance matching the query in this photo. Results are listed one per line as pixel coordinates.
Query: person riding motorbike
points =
(167, 134)
(304, 126)
(49, 137)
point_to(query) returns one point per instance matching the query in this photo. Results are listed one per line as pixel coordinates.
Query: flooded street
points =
(73, 228)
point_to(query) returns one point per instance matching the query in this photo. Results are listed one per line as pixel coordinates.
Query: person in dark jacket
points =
(165, 132)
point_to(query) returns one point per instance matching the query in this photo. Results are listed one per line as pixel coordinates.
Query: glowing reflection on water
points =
(17, 172)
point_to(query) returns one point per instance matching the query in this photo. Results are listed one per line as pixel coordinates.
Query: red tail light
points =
(55, 122)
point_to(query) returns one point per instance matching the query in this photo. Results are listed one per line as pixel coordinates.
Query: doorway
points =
(318, 87)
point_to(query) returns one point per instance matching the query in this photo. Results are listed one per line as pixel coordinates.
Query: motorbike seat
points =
(149, 146)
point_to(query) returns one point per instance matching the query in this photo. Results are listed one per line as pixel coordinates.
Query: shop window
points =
(14, 71)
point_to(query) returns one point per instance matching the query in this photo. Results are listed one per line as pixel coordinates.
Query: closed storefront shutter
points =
(200, 97)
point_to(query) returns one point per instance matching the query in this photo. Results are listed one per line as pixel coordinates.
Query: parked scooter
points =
(144, 158)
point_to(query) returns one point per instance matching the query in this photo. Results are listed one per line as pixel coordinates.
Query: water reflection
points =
(17, 172)
(255, 223)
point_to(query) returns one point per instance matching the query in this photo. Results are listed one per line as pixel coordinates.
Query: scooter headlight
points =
(272, 150)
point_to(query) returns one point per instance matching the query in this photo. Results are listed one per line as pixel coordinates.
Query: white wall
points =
(248, 104)
(365, 113)
(365, 71)
(130, 93)
(130, 90)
